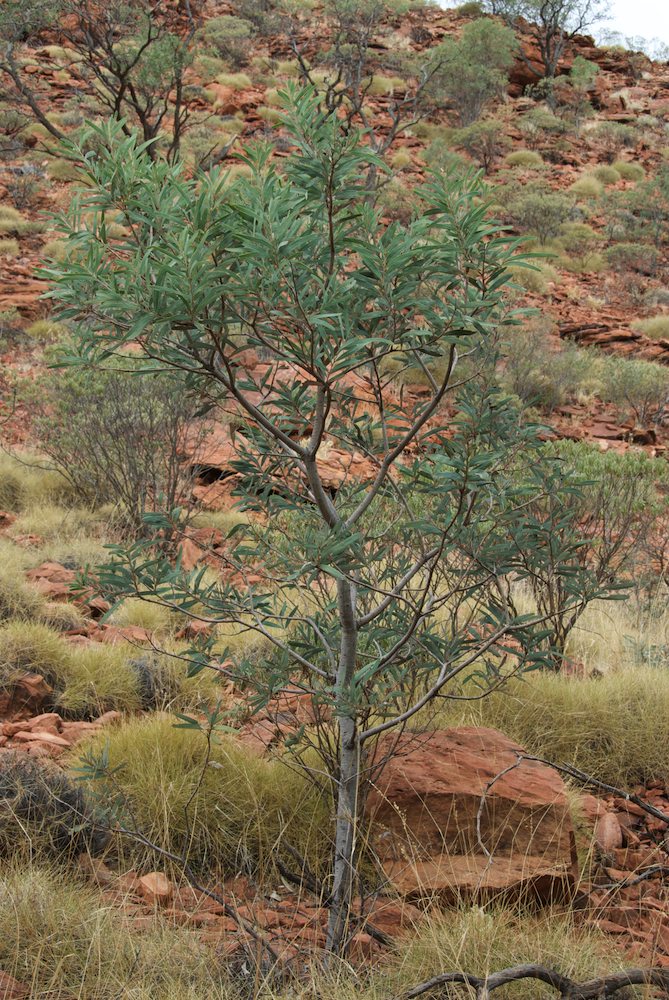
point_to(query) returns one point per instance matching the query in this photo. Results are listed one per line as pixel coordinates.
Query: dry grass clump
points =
(28, 482)
(482, 941)
(9, 248)
(64, 940)
(18, 598)
(606, 174)
(523, 158)
(12, 223)
(243, 810)
(87, 680)
(656, 327)
(236, 81)
(629, 171)
(156, 618)
(587, 187)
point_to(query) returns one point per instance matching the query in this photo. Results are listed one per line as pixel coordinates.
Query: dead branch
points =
(594, 989)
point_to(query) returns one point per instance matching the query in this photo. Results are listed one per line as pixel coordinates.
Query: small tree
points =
(551, 25)
(474, 69)
(371, 586)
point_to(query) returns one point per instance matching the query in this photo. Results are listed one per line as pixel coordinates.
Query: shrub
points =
(639, 388)
(244, 810)
(484, 141)
(229, 37)
(587, 187)
(629, 171)
(656, 327)
(606, 174)
(42, 812)
(116, 439)
(638, 257)
(612, 137)
(523, 158)
(539, 375)
(540, 213)
(472, 8)
(440, 156)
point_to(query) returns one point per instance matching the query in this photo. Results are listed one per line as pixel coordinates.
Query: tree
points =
(369, 585)
(131, 59)
(474, 69)
(551, 24)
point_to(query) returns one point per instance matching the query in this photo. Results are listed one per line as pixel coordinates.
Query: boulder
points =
(455, 813)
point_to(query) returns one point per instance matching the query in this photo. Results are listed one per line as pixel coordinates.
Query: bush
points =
(606, 174)
(523, 158)
(541, 213)
(42, 812)
(629, 171)
(229, 38)
(244, 810)
(637, 388)
(484, 141)
(638, 257)
(587, 187)
(116, 437)
(656, 327)
(613, 136)
(539, 375)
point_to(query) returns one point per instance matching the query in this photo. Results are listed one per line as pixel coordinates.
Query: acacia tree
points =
(371, 586)
(551, 24)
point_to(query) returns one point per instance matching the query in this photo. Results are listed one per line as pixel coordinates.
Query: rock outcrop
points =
(456, 813)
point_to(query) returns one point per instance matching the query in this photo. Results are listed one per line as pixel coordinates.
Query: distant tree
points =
(551, 24)
(372, 589)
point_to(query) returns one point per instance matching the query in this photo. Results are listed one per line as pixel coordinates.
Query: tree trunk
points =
(343, 870)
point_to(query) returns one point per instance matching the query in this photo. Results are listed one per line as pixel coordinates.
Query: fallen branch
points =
(594, 989)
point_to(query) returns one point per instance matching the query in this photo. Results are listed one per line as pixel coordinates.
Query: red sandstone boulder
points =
(455, 813)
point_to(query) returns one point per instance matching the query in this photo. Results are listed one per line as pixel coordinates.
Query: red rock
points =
(41, 736)
(12, 989)
(27, 695)
(608, 832)
(424, 809)
(156, 888)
